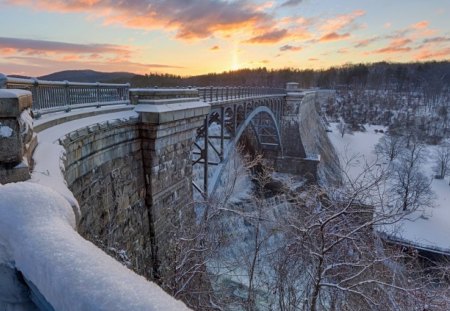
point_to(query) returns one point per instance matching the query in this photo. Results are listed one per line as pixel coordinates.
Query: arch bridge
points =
(130, 153)
(225, 124)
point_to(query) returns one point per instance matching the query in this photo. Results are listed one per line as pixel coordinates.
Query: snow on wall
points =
(5, 131)
(38, 237)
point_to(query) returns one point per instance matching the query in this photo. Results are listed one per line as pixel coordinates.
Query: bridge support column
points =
(294, 159)
(169, 119)
(17, 140)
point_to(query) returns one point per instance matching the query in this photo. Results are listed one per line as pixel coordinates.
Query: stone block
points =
(13, 102)
(11, 145)
(20, 172)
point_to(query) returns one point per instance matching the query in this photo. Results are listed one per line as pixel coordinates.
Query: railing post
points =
(97, 94)
(67, 95)
(211, 93)
(35, 93)
(3, 81)
(226, 92)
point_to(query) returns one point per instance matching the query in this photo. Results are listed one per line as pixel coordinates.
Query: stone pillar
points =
(17, 140)
(294, 159)
(169, 119)
(292, 142)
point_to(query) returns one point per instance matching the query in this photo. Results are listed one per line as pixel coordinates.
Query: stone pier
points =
(169, 119)
(294, 159)
(17, 140)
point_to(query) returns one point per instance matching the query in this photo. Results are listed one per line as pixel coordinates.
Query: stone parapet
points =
(17, 140)
(137, 95)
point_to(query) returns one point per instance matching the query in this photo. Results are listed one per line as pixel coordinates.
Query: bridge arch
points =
(230, 147)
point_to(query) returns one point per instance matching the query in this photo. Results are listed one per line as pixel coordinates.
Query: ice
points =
(38, 237)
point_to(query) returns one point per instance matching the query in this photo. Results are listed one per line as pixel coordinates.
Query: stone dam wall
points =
(104, 170)
(315, 139)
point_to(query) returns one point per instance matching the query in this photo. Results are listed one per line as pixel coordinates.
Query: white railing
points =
(53, 96)
(211, 94)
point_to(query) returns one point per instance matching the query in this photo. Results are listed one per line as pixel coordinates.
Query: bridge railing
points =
(53, 96)
(210, 94)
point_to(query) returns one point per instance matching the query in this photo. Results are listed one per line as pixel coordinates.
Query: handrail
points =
(210, 94)
(52, 96)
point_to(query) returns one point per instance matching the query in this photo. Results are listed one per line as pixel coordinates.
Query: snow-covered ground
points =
(428, 229)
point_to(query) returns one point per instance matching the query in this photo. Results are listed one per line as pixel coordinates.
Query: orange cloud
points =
(194, 19)
(438, 54)
(272, 36)
(366, 42)
(288, 47)
(395, 46)
(341, 21)
(333, 36)
(215, 48)
(40, 47)
(420, 25)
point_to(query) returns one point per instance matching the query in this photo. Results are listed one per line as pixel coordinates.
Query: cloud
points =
(437, 54)
(38, 66)
(191, 19)
(272, 36)
(291, 3)
(437, 40)
(420, 25)
(41, 46)
(341, 22)
(288, 47)
(265, 6)
(395, 46)
(215, 48)
(40, 55)
(333, 36)
(312, 59)
(366, 42)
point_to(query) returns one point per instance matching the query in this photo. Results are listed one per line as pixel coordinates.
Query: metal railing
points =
(210, 94)
(53, 96)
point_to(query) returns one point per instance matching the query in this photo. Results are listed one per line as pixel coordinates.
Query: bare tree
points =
(390, 146)
(409, 185)
(342, 127)
(442, 160)
(332, 259)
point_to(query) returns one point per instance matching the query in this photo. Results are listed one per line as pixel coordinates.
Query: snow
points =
(428, 229)
(49, 154)
(10, 93)
(38, 237)
(5, 131)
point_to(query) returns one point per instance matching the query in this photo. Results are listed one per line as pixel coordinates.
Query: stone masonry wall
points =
(104, 170)
(168, 170)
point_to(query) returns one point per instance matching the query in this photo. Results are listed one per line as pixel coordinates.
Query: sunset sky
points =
(190, 37)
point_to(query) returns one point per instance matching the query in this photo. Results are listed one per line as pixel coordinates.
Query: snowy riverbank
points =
(428, 229)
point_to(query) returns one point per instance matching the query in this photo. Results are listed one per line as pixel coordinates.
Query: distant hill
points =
(88, 76)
